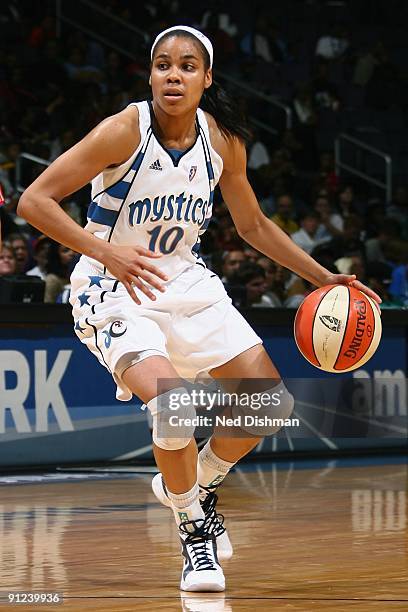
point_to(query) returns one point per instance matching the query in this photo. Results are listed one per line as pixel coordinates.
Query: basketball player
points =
(143, 301)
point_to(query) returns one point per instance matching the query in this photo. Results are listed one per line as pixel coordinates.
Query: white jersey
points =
(156, 201)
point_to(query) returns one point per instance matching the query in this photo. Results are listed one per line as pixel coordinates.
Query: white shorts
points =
(193, 324)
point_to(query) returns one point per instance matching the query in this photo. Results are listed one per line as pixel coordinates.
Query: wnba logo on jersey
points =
(168, 207)
(192, 173)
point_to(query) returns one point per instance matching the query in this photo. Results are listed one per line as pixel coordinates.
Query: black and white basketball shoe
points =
(201, 569)
(208, 499)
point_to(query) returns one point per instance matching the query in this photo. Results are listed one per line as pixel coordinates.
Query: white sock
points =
(186, 506)
(211, 470)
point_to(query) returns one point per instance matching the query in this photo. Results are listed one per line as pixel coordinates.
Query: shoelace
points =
(208, 506)
(199, 540)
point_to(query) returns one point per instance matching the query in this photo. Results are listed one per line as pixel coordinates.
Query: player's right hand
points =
(131, 266)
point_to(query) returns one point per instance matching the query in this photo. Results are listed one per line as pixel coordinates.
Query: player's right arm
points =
(111, 143)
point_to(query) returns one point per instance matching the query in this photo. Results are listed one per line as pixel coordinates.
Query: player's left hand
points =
(351, 279)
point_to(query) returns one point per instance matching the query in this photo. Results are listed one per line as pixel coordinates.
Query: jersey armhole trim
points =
(136, 165)
(131, 167)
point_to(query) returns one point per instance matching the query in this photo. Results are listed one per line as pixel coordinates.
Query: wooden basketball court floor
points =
(307, 536)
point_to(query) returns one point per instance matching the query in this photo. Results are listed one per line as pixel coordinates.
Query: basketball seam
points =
(313, 322)
(294, 327)
(345, 327)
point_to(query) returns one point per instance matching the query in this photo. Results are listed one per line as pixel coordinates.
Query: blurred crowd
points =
(55, 86)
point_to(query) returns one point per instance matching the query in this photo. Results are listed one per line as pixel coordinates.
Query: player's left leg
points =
(252, 370)
(254, 367)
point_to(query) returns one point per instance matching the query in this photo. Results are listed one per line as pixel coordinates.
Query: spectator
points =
(326, 179)
(231, 262)
(41, 258)
(258, 155)
(333, 46)
(304, 108)
(264, 42)
(374, 246)
(221, 32)
(8, 262)
(7, 225)
(367, 62)
(324, 255)
(352, 264)
(298, 289)
(306, 237)
(379, 279)
(349, 242)
(399, 284)
(19, 245)
(224, 20)
(42, 32)
(399, 276)
(276, 278)
(358, 268)
(398, 208)
(252, 278)
(325, 93)
(284, 214)
(346, 201)
(374, 217)
(293, 146)
(8, 159)
(251, 254)
(228, 238)
(280, 167)
(60, 263)
(331, 223)
(393, 252)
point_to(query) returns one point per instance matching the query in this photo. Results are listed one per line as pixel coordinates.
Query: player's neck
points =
(174, 132)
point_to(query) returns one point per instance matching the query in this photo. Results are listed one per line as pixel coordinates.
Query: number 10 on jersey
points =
(166, 241)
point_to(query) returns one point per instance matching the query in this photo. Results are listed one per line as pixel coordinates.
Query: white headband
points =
(199, 35)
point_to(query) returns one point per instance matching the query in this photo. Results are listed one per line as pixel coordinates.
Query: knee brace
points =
(173, 419)
(267, 412)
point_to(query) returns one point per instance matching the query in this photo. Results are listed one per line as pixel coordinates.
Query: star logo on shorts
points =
(95, 280)
(83, 298)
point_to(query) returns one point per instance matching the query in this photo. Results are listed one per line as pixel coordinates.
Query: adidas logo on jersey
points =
(156, 165)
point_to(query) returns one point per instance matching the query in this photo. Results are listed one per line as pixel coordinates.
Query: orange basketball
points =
(337, 328)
